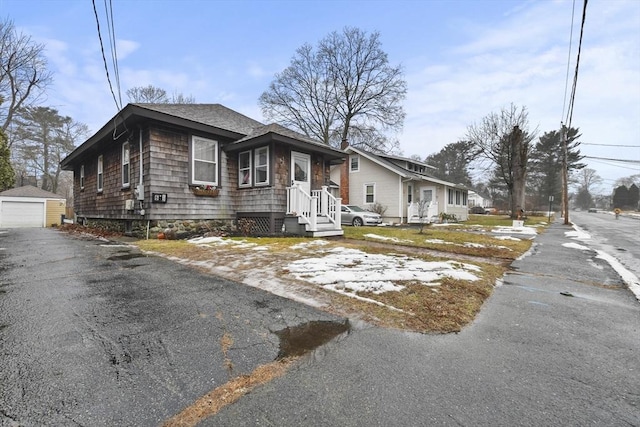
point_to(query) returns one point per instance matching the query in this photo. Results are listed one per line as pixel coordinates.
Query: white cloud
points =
(525, 63)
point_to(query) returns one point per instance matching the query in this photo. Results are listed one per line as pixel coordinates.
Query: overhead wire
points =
(112, 42)
(114, 52)
(566, 80)
(104, 58)
(575, 77)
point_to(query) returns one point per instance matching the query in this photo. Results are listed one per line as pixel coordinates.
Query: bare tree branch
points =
(345, 89)
(23, 72)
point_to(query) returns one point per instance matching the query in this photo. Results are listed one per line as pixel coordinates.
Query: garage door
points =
(21, 214)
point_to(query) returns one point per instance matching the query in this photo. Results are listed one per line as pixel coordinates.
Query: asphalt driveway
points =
(95, 333)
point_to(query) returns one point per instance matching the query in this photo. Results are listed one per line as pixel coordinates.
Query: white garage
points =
(29, 206)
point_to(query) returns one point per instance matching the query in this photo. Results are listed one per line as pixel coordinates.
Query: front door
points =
(301, 170)
(427, 194)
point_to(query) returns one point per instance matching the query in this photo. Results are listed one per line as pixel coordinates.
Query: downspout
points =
(140, 180)
(400, 205)
(140, 142)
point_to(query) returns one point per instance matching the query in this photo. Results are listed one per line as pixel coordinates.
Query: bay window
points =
(261, 160)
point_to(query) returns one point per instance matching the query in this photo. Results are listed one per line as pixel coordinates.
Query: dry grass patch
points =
(462, 241)
(212, 402)
(447, 307)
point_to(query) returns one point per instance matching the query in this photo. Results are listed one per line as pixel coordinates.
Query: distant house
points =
(476, 199)
(188, 165)
(29, 206)
(398, 184)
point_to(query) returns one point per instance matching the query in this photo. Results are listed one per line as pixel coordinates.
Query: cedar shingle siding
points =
(166, 132)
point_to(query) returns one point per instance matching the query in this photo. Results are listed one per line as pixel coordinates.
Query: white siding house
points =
(398, 184)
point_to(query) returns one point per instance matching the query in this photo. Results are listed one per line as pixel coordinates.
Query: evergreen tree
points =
(7, 175)
(545, 176)
(634, 197)
(452, 162)
(584, 199)
(620, 197)
(43, 139)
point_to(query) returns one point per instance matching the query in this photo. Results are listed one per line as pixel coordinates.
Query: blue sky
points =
(462, 59)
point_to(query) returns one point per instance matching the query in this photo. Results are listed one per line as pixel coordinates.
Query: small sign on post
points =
(158, 197)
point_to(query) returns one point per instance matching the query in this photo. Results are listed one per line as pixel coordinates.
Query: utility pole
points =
(565, 176)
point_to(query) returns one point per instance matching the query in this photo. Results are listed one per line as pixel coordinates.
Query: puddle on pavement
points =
(125, 257)
(301, 339)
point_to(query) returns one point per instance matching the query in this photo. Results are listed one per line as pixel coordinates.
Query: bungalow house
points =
(476, 199)
(398, 184)
(177, 165)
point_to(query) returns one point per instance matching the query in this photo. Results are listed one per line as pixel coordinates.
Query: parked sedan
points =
(477, 210)
(356, 216)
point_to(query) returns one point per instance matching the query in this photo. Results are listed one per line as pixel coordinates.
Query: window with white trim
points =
(261, 168)
(82, 177)
(369, 193)
(464, 198)
(125, 165)
(354, 161)
(204, 161)
(409, 193)
(458, 195)
(451, 195)
(244, 169)
(100, 172)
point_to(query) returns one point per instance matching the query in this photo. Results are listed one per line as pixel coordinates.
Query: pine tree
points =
(7, 175)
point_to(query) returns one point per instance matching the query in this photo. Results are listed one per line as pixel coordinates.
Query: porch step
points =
(325, 233)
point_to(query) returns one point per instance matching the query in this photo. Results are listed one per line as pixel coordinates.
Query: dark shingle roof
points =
(209, 114)
(30, 191)
(280, 130)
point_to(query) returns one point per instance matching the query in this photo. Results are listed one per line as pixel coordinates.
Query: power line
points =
(104, 58)
(613, 160)
(566, 81)
(610, 145)
(575, 77)
(112, 44)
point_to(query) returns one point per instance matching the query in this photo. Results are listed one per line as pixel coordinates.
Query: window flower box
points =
(205, 191)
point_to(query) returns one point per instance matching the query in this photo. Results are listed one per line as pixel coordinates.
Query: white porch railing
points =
(308, 207)
(413, 212)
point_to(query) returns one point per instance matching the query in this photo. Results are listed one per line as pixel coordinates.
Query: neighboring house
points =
(29, 206)
(476, 199)
(174, 164)
(398, 184)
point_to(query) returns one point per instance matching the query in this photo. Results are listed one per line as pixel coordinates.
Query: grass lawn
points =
(446, 306)
(437, 309)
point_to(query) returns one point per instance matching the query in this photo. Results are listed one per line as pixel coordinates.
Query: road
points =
(94, 334)
(620, 238)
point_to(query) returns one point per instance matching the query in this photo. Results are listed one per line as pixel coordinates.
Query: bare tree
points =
(154, 95)
(23, 72)
(343, 90)
(587, 178)
(423, 210)
(504, 141)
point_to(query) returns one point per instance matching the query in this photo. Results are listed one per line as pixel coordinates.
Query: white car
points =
(356, 216)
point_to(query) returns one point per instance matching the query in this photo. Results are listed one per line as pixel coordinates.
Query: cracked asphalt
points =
(96, 333)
